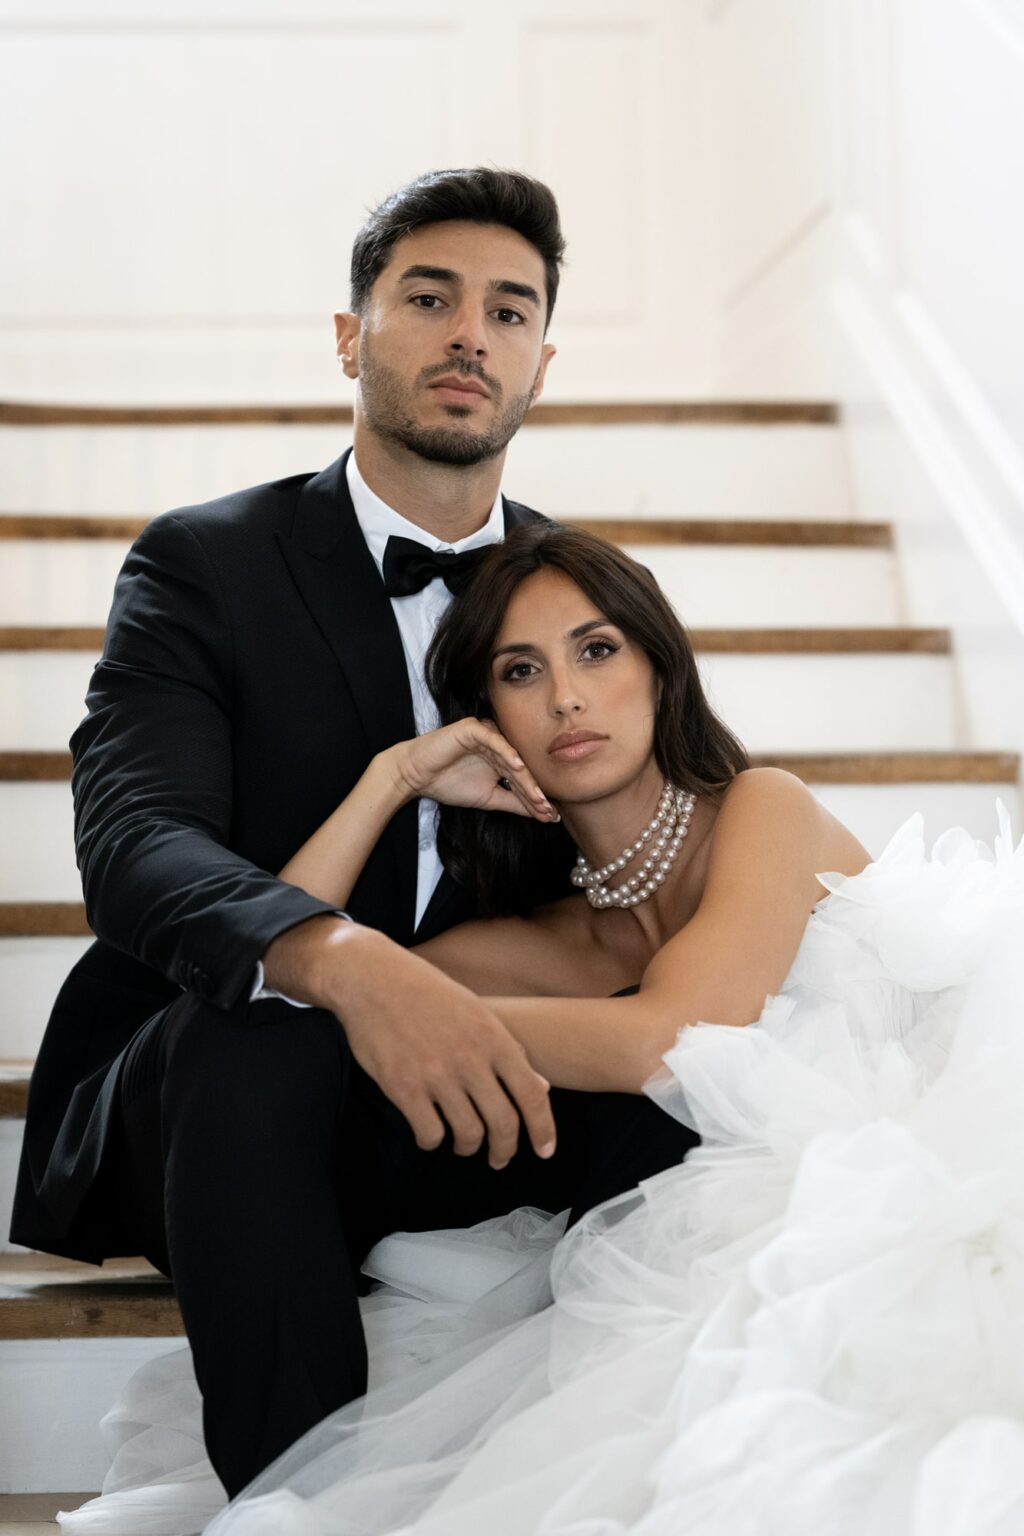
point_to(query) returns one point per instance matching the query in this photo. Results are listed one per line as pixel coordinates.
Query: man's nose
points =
(468, 336)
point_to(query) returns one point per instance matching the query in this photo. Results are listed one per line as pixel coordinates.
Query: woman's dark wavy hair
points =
(514, 863)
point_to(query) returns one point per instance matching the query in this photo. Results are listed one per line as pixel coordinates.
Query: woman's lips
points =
(574, 750)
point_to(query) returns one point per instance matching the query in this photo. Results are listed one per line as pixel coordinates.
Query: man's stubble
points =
(385, 402)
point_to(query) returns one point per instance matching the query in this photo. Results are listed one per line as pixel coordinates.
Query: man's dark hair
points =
(513, 863)
(479, 196)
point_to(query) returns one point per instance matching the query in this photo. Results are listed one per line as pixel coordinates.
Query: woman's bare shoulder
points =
(777, 793)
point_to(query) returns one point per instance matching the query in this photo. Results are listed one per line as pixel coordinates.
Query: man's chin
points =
(448, 445)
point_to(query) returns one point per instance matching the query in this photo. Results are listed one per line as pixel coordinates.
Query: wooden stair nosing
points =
(788, 533)
(22, 413)
(806, 640)
(42, 1297)
(43, 919)
(915, 767)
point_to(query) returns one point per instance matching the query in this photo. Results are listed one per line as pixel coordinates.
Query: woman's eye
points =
(517, 671)
(604, 646)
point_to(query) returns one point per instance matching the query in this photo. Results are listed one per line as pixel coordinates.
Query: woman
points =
(799, 1327)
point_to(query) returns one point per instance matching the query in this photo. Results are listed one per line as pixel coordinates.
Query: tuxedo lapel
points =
(342, 588)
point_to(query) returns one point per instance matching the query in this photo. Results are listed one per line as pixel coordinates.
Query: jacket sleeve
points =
(152, 781)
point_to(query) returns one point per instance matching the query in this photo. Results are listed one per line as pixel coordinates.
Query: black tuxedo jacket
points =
(252, 667)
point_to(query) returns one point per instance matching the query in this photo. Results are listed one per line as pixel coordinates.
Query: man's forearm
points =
(322, 961)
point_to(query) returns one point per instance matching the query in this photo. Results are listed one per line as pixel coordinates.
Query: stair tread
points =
(44, 1297)
(806, 639)
(894, 767)
(797, 533)
(547, 413)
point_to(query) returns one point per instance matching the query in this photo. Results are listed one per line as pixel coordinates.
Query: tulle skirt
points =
(812, 1325)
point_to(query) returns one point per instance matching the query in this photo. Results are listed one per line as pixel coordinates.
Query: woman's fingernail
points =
(547, 1150)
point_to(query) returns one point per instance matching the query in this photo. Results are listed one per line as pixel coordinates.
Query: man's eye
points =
(510, 316)
(426, 300)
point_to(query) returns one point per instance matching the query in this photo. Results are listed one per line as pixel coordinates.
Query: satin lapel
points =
(341, 586)
(515, 513)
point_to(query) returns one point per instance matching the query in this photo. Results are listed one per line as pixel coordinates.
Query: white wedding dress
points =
(814, 1326)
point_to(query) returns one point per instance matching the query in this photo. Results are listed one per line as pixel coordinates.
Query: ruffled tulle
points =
(809, 1325)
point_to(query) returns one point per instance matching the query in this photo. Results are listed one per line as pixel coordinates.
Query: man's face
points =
(450, 353)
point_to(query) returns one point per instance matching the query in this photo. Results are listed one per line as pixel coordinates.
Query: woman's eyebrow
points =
(573, 634)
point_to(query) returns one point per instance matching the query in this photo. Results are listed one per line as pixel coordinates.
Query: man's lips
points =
(575, 744)
(461, 387)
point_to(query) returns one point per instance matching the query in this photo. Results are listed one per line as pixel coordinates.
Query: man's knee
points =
(267, 1059)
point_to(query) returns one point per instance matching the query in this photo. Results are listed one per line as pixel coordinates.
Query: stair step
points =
(553, 413)
(870, 640)
(714, 571)
(682, 465)
(812, 767)
(32, 919)
(787, 532)
(38, 1510)
(43, 1297)
(781, 690)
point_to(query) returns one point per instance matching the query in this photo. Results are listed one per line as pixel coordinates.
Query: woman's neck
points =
(602, 829)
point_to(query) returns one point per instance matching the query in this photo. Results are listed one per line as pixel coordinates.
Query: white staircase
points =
(793, 594)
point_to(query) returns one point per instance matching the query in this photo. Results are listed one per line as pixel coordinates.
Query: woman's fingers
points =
(514, 776)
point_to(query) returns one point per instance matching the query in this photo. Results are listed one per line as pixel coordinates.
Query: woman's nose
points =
(566, 701)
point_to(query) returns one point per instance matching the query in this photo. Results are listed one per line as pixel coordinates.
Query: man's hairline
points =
(548, 306)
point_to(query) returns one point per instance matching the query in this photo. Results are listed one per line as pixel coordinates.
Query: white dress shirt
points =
(417, 616)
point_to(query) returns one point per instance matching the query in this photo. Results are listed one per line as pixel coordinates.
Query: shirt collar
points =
(378, 521)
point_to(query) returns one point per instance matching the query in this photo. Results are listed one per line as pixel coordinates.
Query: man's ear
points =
(547, 352)
(347, 327)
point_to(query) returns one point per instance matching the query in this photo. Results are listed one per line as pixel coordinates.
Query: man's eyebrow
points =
(574, 634)
(517, 290)
(448, 275)
(433, 274)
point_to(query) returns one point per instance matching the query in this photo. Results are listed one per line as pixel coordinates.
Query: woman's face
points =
(572, 693)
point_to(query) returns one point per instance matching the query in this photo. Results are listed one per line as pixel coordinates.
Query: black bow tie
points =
(409, 566)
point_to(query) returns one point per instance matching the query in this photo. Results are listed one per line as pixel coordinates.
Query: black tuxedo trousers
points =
(252, 667)
(261, 1164)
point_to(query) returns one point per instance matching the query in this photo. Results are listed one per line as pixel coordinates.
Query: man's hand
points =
(432, 1046)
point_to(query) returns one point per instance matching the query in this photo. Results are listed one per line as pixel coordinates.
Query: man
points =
(289, 1107)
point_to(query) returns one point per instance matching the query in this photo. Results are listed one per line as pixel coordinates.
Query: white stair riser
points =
(875, 811)
(685, 471)
(31, 973)
(11, 1133)
(828, 703)
(55, 1393)
(72, 582)
(32, 970)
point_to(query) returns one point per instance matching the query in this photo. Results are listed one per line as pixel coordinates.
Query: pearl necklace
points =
(667, 830)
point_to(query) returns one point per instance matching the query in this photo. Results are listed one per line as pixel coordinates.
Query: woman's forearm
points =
(595, 1044)
(330, 862)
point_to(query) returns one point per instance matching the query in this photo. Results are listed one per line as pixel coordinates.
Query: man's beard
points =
(384, 398)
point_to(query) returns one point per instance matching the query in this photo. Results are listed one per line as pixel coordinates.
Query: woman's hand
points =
(463, 764)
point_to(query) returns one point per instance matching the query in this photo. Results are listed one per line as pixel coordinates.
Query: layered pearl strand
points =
(662, 839)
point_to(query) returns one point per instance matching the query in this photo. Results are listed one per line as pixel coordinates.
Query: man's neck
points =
(448, 501)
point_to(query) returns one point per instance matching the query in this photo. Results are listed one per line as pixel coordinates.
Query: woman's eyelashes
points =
(594, 651)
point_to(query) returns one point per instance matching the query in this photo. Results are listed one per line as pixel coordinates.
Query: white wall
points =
(872, 241)
(188, 177)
